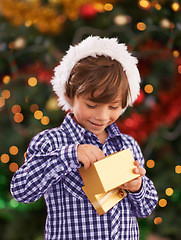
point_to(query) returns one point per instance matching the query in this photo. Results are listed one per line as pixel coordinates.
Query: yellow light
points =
(144, 4)
(150, 163)
(45, 120)
(175, 6)
(5, 94)
(4, 158)
(18, 117)
(6, 79)
(99, 7)
(158, 6)
(16, 109)
(179, 69)
(162, 202)
(28, 23)
(38, 114)
(2, 101)
(32, 81)
(13, 167)
(157, 220)
(108, 7)
(178, 169)
(13, 150)
(141, 26)
(176, 53)
(169, 191)
(148, 88)
(34, 107)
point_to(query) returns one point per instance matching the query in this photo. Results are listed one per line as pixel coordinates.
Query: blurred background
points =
(34, 35)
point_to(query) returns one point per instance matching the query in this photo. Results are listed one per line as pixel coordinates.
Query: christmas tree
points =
(34, 36)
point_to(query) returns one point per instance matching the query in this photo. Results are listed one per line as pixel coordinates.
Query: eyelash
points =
(93, 106)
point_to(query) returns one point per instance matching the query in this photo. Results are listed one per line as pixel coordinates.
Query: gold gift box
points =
(105, 201)
(109, 173)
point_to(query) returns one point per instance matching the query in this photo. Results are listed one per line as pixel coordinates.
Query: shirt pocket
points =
(73, 184)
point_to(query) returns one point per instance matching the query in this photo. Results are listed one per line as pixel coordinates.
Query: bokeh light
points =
(18, 117)
(13, 150)
(32, 81)
(38, 114)
(169, 191)
(162, 202)
(157, 220)
(148, 88)
(13, 167)
(5, 94)
(45, 120)
(16, 108)
(4, 158)
(150, 163)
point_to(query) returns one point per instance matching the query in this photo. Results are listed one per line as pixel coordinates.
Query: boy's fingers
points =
(140, 171)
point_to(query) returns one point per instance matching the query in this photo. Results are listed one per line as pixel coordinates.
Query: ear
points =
(68, 99)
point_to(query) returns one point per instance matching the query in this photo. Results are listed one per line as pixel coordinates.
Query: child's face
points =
(96, 116)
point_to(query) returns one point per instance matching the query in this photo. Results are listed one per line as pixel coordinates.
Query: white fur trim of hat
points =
(92, 46)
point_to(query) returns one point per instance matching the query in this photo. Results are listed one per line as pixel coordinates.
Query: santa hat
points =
(93, 46)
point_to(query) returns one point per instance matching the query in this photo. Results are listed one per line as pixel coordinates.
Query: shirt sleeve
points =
(144, 201)
(45, 165)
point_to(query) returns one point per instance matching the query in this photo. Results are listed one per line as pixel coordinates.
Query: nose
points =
(102, 113)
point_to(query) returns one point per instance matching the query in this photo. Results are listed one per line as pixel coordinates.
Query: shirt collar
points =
(73, 128)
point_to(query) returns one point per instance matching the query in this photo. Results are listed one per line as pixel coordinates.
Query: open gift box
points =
(105, 201)
(106, 175)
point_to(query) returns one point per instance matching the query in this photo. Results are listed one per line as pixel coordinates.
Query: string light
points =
(6, 79)
(13, 203)
(2, 102)
(5, 94)
(13, 150)
(34, 107)
(157, 220)
(175, 6)
(45, 120)
(13, 167)
(169, 191)
(108, 7)
(148, 88)
(141, 26)
(162, 202)
(16, 109)
(38, 114)
(32, 81)
(150, 163)
(18, 117)
(176, 53)
(145, 4)
(4, 158)
(158, 6)
(178, 169)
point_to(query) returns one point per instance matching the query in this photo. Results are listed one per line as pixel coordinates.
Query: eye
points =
(90, 106)
(113, 107)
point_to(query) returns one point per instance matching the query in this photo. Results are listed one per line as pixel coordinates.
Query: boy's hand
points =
(88, 154)
(135, 184)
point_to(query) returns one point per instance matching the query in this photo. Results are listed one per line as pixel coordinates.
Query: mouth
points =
(96, 125)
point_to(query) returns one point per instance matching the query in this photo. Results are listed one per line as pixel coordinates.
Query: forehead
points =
(98, 95)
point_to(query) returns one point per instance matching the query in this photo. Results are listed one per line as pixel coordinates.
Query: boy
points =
(96, 81)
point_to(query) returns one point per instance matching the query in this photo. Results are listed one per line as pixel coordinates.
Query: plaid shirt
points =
(51, 170)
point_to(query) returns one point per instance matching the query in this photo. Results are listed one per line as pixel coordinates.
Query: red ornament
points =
(87, 11)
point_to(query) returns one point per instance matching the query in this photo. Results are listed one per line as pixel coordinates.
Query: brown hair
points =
(93, 73)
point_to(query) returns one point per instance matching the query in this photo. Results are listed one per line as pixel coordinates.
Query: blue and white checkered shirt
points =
(51, 170)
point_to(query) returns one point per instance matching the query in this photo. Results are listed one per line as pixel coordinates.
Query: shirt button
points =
(72, 165)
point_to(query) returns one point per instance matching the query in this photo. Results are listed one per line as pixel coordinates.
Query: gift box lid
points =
(109, 173)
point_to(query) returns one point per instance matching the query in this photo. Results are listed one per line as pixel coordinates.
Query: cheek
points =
(115, 115)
